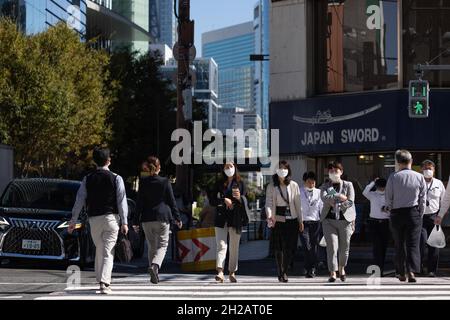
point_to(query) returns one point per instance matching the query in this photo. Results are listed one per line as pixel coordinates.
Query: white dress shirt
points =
(311, 204)
(377, 201)
(445, 204)
(435, 193)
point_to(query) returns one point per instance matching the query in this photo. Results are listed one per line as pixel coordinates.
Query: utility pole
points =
(185, 52)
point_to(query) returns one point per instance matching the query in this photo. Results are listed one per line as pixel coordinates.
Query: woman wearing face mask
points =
(231, 216)
(338, 219)
(435, 193)
(283, 209)
(378, 220)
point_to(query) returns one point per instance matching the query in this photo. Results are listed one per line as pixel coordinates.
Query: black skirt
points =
(284, 236)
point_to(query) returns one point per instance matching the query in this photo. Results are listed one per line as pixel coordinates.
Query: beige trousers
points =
(221, 242)
(157, 235)
(104, 231)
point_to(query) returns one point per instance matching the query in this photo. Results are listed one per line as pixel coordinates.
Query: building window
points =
(355, 45)
(426, 38)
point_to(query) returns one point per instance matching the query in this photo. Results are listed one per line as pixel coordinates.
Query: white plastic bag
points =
(436, 238)
(322, 242)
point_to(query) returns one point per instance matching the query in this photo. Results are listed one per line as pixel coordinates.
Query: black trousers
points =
(285, 238)
(426, 251)
(310, 243)
(380, 234)
(406, 224)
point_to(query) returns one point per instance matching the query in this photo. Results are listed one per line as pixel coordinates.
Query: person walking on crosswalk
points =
(405, 197)
(156, 209)
(284, 215)
(311, 208)
(228, 197)
(378, 221)
(103, 194)
(435, 195)
(338, 219)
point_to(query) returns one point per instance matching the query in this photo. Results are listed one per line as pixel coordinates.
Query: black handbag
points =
(123, 249)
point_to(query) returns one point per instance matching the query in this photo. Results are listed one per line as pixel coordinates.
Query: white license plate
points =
(31, 244)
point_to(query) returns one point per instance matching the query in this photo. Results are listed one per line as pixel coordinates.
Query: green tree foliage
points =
(53, 98)
(144, 115)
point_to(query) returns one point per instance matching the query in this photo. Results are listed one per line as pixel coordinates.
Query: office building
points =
(34, 16)
(231, 48)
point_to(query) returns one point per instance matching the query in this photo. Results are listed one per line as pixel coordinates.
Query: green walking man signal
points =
(419, 98)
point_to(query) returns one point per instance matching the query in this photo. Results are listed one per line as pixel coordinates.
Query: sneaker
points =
(154, 278)
(105, 289)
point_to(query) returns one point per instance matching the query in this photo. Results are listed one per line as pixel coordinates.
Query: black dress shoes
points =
(343, 277)
(154, 277)
(402, 278)
(332, 279)
(412, 278)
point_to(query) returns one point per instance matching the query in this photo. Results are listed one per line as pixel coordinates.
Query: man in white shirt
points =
(435, 194)
(311, 208)
(445, 205)
(378, 220)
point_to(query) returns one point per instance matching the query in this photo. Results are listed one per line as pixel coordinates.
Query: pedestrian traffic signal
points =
(419, 97)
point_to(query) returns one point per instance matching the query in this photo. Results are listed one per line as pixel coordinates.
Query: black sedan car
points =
(34, 217)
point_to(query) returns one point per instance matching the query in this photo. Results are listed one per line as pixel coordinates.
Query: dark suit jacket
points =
(155, 201)
(237, 217)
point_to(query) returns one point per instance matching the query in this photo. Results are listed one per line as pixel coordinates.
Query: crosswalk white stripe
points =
(201, 287)
(214, 287)
(279, 293)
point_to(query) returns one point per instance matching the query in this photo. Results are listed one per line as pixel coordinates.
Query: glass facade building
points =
(167, 22)
(206, 84)
(231, 48)
(356, 45)
(115, 24)
(353, 103)
(262, 68)
(34, 16)
(136, 11)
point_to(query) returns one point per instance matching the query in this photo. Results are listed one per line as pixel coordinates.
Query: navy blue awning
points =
(360, 123)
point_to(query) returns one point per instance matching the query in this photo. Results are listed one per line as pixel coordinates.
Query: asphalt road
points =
(28, 280)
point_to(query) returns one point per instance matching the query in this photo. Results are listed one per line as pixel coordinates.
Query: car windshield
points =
(40, 194)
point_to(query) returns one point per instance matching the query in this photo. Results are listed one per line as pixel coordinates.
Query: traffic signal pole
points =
(419, 91)
(184, 180)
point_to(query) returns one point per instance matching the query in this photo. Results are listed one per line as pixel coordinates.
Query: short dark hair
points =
(101, 156)
(403, 156)
(428, 162)
(309, 175)
(335, 165)
(380, 183)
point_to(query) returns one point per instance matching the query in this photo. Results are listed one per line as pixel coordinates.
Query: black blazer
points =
(155, 201)
(237, 217)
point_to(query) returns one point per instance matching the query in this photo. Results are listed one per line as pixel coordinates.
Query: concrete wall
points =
(288, 50)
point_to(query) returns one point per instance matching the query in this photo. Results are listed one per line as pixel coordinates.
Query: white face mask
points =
(428, 173)
(229, 172)
(282, 173)
(335, 177)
